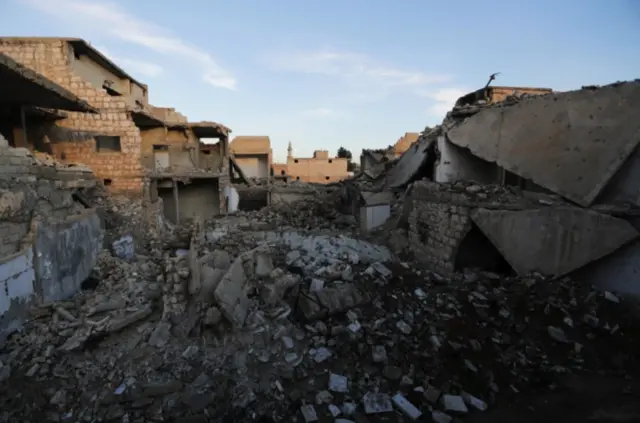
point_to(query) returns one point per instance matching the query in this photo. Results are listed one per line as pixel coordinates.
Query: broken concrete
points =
(571, 143)
(553, 241)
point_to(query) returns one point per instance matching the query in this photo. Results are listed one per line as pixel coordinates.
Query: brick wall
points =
(123, 169)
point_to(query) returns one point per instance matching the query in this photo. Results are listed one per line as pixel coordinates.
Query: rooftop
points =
(20, 85)
(81, 47)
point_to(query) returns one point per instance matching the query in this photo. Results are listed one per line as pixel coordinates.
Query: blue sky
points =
(357, 73)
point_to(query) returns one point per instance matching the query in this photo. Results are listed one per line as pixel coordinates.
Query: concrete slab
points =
(410, 163)
(65, 254)
(553, 240)
(571, 143)
(618, 272)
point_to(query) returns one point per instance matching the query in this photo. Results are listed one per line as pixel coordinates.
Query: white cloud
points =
(111, 19)
(444, 100)
(138, 67)
(323, 113)
(359, 70)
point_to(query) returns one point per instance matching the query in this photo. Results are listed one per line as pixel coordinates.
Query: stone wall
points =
(30, 190)
(439, 220)
(49, 242)
(17, 281)
(75, 141)
(437, 226)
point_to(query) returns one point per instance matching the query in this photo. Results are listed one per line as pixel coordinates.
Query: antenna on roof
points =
(492, 77)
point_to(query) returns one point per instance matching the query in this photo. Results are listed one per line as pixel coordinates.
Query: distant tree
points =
(346, 154)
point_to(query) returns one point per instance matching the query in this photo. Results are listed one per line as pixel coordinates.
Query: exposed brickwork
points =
(123, 169)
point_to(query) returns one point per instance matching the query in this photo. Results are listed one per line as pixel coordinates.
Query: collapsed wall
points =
(48, 242)
(454, 227)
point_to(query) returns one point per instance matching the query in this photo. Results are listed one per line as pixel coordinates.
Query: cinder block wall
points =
(52, 59)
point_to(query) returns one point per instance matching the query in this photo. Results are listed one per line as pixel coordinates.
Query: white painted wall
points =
(254, 166)
(17, 286)
(233, 198)
(372, 217)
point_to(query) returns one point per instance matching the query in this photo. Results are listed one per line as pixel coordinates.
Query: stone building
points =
(133, 147)
(253, 154)
(48, 241)
(188, 173)
(320, 168)
(108, 142)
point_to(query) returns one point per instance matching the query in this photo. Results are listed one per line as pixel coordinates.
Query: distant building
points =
(404, 143)
(253, 155)
(320, 168)
(372, 158)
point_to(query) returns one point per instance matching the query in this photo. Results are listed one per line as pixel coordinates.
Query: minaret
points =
(289, 150)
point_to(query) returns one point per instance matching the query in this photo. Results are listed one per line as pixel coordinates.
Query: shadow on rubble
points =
(579, 398)
(476, 251)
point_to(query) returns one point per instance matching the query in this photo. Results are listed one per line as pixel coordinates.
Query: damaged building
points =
(454, 283)
(133, 147)
(49, 242)
(539, 182)
(369, 158)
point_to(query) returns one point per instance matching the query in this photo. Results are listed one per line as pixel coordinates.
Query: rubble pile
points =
(302, 327)
(318, 212)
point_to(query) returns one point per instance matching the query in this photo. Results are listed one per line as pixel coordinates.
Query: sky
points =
(328, 73)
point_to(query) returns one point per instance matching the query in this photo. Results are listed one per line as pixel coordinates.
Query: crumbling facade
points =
(109, 142)
(49, 242)
(133, 147)
(187, 173)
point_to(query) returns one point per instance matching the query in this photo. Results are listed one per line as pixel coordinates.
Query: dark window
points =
(107, 143)
(295, 161)
(326, 177)
(157, 147)
(330, 161)
(106, 182)
(297, 178)
(282, 172)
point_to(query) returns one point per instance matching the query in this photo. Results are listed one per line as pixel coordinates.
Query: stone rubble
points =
(236, 320)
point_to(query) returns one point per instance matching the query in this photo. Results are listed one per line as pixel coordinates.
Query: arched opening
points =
(477, 252)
